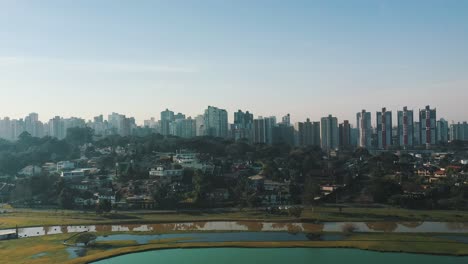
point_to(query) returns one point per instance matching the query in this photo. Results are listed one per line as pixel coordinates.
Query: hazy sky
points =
(308, 58)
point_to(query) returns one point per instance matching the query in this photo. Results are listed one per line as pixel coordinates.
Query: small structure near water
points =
(8, 234)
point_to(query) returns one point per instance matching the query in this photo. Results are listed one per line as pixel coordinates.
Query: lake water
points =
(277, 256)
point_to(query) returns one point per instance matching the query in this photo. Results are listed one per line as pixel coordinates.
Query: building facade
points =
(329, 132)
(384, 129)
(363, 121)
(428, 126)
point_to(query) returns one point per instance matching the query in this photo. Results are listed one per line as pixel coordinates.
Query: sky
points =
(307, 58)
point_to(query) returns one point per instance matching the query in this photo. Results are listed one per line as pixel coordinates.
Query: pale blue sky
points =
(307, 58)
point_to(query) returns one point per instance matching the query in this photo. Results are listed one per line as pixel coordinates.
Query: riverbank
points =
(50, 249)
(30, 218)
(380, 246)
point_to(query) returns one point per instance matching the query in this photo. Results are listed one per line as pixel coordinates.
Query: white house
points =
(31, 170)
(166, 176)
(65, 165)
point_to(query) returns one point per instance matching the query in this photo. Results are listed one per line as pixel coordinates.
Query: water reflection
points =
(254, 226)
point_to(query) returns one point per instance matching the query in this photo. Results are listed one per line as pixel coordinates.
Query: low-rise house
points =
(269, 185)
(79, 173)
(49, 167)
(166, 175)
(256, 182)
(65, 165)
(140, 202)
(440, 173)
(81, 185)
(219, 195)
(30, 171)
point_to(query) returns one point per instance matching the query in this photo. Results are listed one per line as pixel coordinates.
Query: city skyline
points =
(231, 115)
(309, 59)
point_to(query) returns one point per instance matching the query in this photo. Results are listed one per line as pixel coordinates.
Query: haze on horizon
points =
(306, 58)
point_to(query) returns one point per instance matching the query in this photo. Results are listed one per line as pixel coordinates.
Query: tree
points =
(295, 211)
(78, 136)
(104, 205)
(311, 190)
(66, 199)
(85, 238)
(383, 188)
(202, 185)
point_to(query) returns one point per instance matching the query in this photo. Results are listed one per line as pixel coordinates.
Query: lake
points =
(366, 227)
(277, 256)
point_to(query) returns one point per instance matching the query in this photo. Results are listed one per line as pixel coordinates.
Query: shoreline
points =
(254, 245)
(56, 252)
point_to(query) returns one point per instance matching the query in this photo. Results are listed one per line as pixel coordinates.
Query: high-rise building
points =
(263, 129)
(270, 123)
(57, 127)
(354, 136)
(243, 125)
(167, 115)
(329, 132)
(344, 134)
(406, 128)
(6, 131)
(442, 131)
(33, 126)
(243, 119)
(185, 128)
(99, 119)
(179, 116)
(365, 129)
(417, 134)
(200, 125)
(259, 135)
(286, 120)
(428, 124)
(384, 129)
(189, 128)
(459, 131)
(216, 122)
(283, 134)
(308, 133)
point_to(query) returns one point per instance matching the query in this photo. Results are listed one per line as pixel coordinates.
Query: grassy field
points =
(29, 250)
(24, 218)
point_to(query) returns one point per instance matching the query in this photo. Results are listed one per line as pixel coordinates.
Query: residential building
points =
(406, 128)
(259, 135)
(263, 129)
(364, 129)
(428, 124)
(417, 134)
(200, 125)
(308, 133)
(344, 134)
(283, 134)
(167, 115)
(216, 122)
(243, 125)
(286, 120)
(384, 129)
(442, 131)
(329, 132)
(459, 131)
